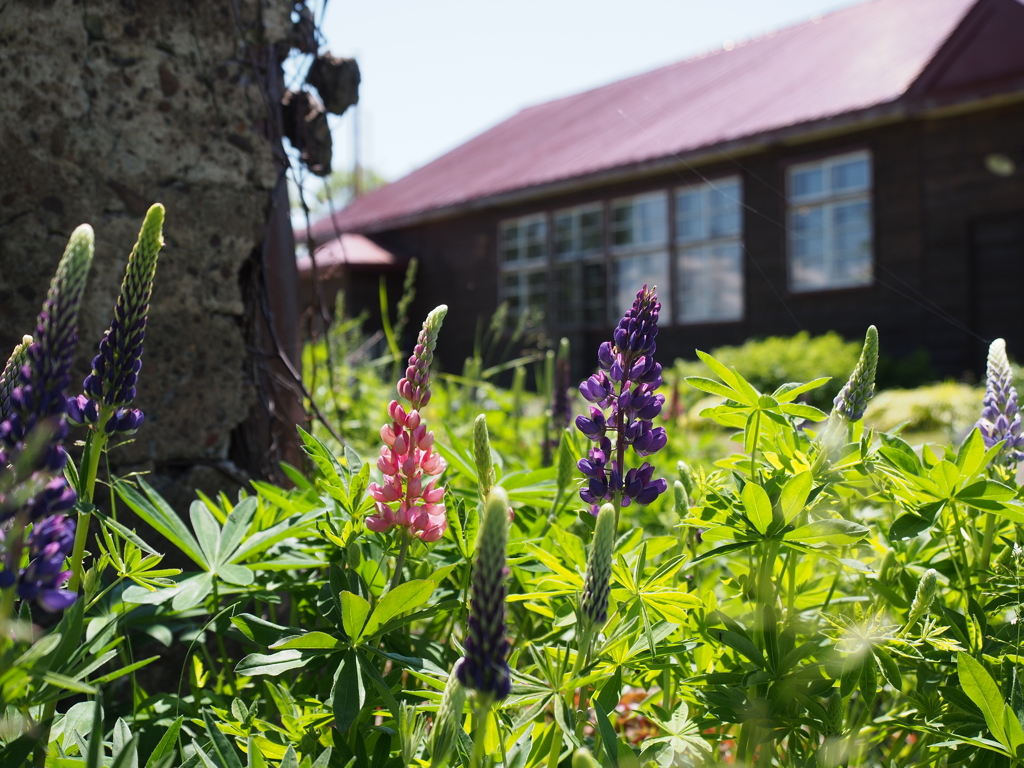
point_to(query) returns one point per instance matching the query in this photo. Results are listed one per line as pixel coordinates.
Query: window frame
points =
(827, 202)
(523, 267)
(707, 241)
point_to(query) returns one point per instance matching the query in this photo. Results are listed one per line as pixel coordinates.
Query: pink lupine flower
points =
(409, 496)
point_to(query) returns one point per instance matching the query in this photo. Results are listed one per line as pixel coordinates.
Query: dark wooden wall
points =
(932, 201)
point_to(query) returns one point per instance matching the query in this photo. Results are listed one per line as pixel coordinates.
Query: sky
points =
(435, 73)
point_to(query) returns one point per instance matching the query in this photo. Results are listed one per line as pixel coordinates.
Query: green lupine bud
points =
(855, 394)
(583, 758)
(597, 582)
(687, 479)
(887, 567)
(923, 598)
(448, 720)
(681, 502)
(12, 373)
(415, 385)
(484, 668)
(834, 714)
(566, 462)
(482, 456)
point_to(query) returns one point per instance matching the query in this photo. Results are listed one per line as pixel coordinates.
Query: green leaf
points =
(158, 513)
(192, 591)
(206, 529)
(890, 670)
(730, 377)
(311, 641)
(348, 694)
(945, 475)
(128, 754)
(757, 506)
(794, 495)
(908, 526)
(788, 393)
(608, 739)
(803, 411)
(261, 631)
(272, 664)
(235, 528)
(382, 688)
(836, 532)
(983, 691)
(711, 387)
(402, 598)
(166, 744)
(971, 456)
(236, 574)
(741, 645)
(354, 610)
(94, 755)
(222, 748)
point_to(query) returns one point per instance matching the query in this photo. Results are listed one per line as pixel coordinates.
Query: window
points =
(639, 236)
(522, 254)
(579, 290)
(709, 252)
(579, 231)
(830, 237)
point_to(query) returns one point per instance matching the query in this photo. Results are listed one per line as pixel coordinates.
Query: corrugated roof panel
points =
(847, 61)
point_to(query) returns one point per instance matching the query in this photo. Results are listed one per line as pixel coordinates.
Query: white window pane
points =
(564, 235)
(536, 234)
(711, 283)
(653, 221)
(510, 243)
(630, 274)
(591, 228)
(724, 207)
(688, 216)
(850, 175)
(622, 224)
(807, 182)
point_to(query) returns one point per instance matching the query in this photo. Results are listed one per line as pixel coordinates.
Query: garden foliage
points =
(822, 595)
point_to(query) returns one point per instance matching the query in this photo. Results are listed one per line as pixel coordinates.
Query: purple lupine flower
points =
(11, 375)
(485, 668)
(110, 387)
(1000, 418)
(625, 401)
(49, 545)
(38, 401)
(415, 387)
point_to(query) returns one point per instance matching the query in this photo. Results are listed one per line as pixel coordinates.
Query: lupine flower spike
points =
(38, 399)
(482, 457)
(12, 374)
(484, 668)
(625, 402)
(853, 398)
(597, 582)
(110, 388)
(1000, 417)
(410, 497)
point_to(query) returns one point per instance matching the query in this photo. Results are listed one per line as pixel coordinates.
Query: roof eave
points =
(870, 117)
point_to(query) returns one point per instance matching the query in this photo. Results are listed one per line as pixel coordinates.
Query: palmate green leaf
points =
(609, 741)
(741, 645)
(983, 691)
(207, 530)
(235, 528)
(154, 510)
(261, 631)
(286, 529)
(758, 507)
(331, 470)
(803, 411)
(835, 532)
(712, 387)
(787, 393)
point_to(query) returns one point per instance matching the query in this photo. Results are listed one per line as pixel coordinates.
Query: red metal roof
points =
(349, 250)
(847, 61)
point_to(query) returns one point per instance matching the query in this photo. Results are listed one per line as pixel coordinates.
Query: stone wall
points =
(109, 106)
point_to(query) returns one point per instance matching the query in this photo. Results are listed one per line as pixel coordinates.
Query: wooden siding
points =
(930, 188)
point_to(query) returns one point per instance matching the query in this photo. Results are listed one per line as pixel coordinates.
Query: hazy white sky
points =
(437, 72)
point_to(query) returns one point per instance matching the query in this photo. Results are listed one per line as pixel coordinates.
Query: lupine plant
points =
(811, 592)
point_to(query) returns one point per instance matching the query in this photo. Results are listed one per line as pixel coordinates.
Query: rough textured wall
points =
(108, 106)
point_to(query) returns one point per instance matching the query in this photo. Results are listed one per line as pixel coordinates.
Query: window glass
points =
(578, 231)
(709, 252)
(830, 232)
(640, 221)
(630, 274)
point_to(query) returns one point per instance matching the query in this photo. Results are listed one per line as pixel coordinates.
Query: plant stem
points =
(480, 735)
(400, 562)
(990, 535)
(94, 445)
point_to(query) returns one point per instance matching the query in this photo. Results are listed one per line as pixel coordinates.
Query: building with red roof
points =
(864, 167)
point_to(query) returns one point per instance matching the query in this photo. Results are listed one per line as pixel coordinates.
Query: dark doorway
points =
(997, 248)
